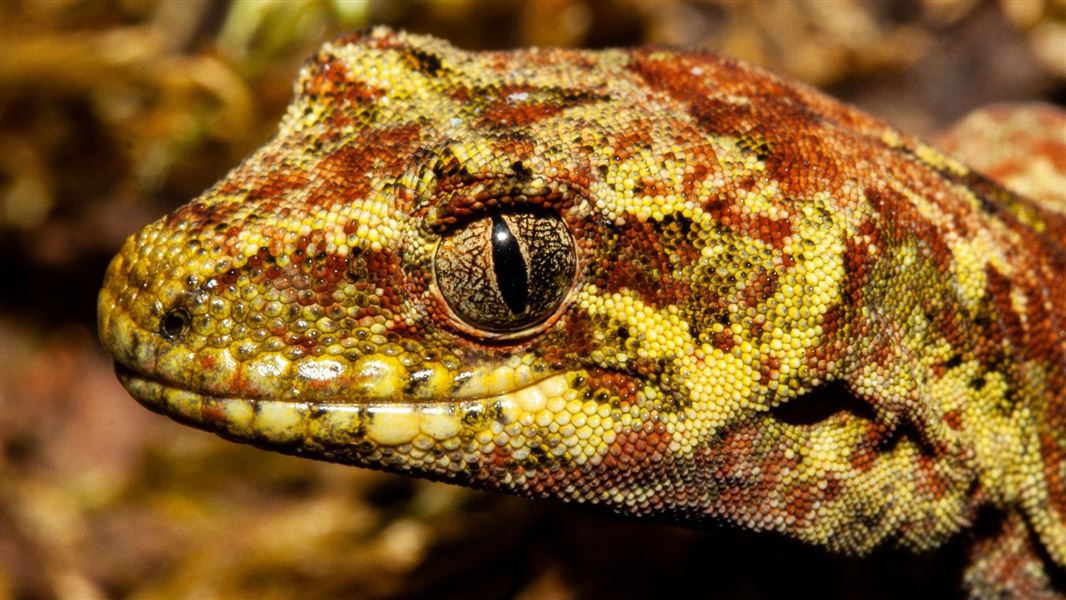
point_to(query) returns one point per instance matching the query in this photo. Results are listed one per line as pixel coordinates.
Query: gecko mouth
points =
(318, 424)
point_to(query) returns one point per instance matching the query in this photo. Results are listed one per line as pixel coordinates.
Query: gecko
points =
(655, 281)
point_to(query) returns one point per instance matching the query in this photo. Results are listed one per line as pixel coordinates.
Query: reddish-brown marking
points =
(629, 143)
(761, 286)
(517, 105)
(346, 175)
(929, 480)
(1007, 320)
(803, 135)
(647, 270)
(637, 448)
(213, 412)
(331, 81)
(858, 258)
(863, 456)
(1053, 451)
(617, 385)
(901, 220)
(953, 419)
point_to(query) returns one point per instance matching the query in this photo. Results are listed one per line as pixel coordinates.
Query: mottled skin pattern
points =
(782, 313)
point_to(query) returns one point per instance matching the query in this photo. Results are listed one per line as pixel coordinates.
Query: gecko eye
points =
(506, 272)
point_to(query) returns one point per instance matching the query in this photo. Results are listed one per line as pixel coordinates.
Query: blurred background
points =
(114, 112)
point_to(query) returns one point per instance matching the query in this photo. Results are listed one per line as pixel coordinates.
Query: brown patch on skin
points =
(858, 264)
(318, 276)
(638, 448)
(1007, 321)
(1053, 449)
(743, 471)
(832, 488)
(651, 187)
(349, 102)
(770, 231)
(863, 456)
(725, 77)
(213, 412)
(517, 105)
(1054, 151)
(773, 232)
(697, 169)
(277, 183)
(568, 336)
(647, 270)
(799, 501)
(346, 174)
(822, 356)
(948, 324)
(724, 341)
(953, 419)
(801, 146)
(228, 278)
(901, 219)
(631, 142)
(614, 385)
(858, 259)
(330, 82)
(760, 288)
(459, 93)
(769, 369)
(929, 480)
(258, 181)
(521, 149)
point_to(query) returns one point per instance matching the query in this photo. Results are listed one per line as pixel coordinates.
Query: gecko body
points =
(658, 281)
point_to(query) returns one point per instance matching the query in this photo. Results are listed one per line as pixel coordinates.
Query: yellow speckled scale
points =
(659, 281)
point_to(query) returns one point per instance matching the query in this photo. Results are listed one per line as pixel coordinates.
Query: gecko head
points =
(396, 280)
(479, 267)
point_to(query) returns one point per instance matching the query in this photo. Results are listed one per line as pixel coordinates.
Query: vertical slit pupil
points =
(509, 266)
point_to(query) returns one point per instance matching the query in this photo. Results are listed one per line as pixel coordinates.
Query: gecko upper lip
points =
(492, 384)
(128, 374)
(124, 372)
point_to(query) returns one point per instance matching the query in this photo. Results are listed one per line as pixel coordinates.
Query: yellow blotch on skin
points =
(378, 377)
(934, 158)
(279, 421)
(392, 426)
(439, 424)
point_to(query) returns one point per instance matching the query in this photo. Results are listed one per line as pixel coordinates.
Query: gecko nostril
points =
(174, 323)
